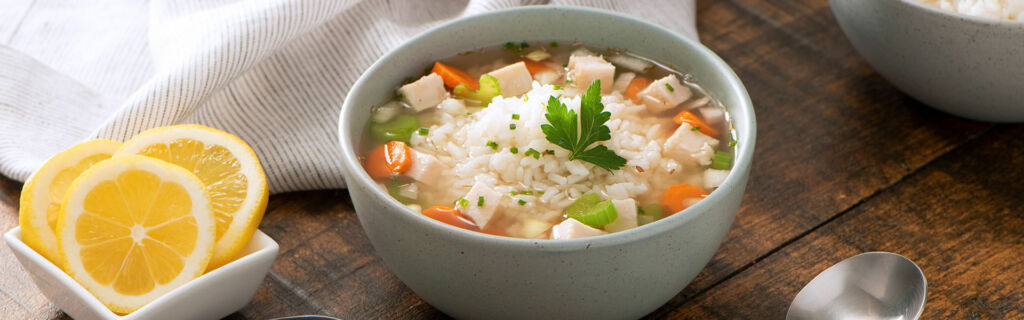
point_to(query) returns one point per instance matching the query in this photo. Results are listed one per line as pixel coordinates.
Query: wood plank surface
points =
(960, 219)
(844, 164)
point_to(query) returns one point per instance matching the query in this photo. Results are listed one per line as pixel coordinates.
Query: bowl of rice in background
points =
(963, 57)
(615, 276)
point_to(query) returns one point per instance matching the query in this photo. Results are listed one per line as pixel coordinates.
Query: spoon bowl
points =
(873, 285)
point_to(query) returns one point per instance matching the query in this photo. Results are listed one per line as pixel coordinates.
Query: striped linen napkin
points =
(273, 72)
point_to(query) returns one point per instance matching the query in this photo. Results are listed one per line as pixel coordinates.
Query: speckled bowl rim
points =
(358, 178)
(963, 17)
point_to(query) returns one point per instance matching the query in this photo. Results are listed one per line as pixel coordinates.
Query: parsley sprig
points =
(565, 131)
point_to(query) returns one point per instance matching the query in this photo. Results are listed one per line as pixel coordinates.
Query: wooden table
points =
(845, 164)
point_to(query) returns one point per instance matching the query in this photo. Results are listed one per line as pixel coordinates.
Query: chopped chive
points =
(511, 126)
(524, 44)
(521, 202)
(549, 151)
(567, 81)
(513, 150)
(526, 98)
(532, 152)
(695, 128)
(463, 202)
(493, 145)
(424, 131)
(553, 44)
(558, 87)
(515, 116)
(670, 88)
(399, 96)
(408, 79)
(480, 201)
(732, 143)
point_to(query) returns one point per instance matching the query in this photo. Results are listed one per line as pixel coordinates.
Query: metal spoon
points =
(873, 285)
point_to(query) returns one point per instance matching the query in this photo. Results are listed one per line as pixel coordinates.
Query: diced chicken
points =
(424, 168)
(688, 143)
(714, 178)
(583, 52)
(481, 211)
(712, 115)
(572, 229)
(630, 63)
(514, 79)
(626, 210)
(664, 93)
(622, 82)
(424, 93)
(586, 69)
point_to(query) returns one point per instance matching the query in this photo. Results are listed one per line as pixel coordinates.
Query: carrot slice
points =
(453, 76)
(397, 157)
(695, 121)
(450, 216)
(675, 197)
(534, 66)
(388, 159)
(639, 83)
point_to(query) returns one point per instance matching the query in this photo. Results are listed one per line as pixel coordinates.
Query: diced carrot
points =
(452, 76)
(639, 83)
(676, 197)
(534, 66)
(388, 159)
(450, 216)
(695, 121)
(397, 156)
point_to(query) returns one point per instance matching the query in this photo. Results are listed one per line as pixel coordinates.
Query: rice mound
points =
(460, 139)
(995, 9)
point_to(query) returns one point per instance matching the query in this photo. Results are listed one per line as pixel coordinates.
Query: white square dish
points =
(213, 295)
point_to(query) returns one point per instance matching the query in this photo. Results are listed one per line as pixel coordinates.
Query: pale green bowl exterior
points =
(968, 66)
(478, 276)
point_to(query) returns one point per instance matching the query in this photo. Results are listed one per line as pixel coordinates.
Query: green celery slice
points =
(398, 129)
(598, 215)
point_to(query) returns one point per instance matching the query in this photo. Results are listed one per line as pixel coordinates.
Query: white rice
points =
(458, 136)
(995, 9)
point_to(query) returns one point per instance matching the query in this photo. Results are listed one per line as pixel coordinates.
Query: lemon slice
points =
(43, 192)
(227, 166)
(134, 228)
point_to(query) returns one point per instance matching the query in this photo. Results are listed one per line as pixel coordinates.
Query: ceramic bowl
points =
(964, 65)
(213, 295)
(478, 276)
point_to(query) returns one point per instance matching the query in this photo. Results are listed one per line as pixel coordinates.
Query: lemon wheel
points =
(43, 192)
(134, 228)
(227, 166)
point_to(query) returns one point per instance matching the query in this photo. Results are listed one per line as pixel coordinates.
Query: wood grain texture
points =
(844, 164)
(960, 219)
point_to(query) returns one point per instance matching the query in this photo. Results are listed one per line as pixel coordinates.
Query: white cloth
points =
(273, 72)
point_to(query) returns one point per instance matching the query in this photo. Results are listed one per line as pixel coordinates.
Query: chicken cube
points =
(481, 203)
(664, 94)
(586, 69)
(688, 143)
(424, 93)
(514, 79)
(425, 168)
(626, 210)
(572, 229)
(713, 178)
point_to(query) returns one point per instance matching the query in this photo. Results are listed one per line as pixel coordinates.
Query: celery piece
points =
(398, 129)
(489, 88)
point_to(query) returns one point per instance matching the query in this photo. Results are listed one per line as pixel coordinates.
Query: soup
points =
(548, 140)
